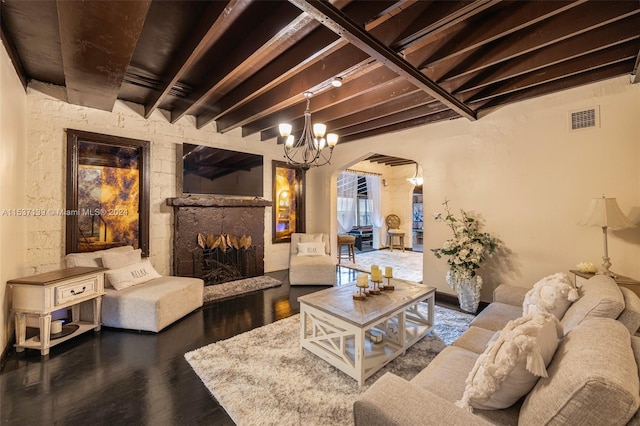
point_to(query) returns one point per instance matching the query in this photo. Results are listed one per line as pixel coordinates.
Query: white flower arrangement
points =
(587, 267)
(468, 248)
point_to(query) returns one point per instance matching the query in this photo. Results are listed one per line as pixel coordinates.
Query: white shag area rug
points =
(406, 265)
(235, 288)
(263, 377)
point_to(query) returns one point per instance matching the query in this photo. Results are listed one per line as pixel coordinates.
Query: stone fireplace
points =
(218, 239)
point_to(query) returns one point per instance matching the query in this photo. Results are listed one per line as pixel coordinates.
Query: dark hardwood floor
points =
(119, 377)
(133, 378)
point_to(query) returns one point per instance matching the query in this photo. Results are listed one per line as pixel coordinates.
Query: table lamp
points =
(605, 213)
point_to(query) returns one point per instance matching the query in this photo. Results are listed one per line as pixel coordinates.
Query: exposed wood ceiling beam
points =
(505, 21)
(98, 41)
(396, 88)
(236, 71)
(582, 44)
(433, 118)
(322, 42)
(400, 104)
(612, 71)
(389, 161)
(592, 61)
(368, 81)
(441, 15)
(290, 91)
(217, 18)
(576, 21)
(13, 55)
(277, 32)
(392, 119)
(271, 77)
(338, 22)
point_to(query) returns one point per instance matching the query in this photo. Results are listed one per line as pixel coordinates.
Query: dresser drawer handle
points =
(75, 293)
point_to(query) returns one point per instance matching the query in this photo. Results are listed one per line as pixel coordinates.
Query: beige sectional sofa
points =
(148, 306)
(592, 377)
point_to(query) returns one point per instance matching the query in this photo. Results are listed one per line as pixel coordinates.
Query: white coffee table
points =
(338, 329)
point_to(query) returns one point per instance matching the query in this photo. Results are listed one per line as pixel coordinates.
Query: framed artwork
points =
(107, 192)
(288, 201)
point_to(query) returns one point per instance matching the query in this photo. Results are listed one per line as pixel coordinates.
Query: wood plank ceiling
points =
(246, 63)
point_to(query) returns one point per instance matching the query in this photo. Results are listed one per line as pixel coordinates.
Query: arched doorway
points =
(357, 215)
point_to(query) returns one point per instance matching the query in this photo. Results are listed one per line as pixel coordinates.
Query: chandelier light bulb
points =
(319, 130)
(319, 143)
(289, 142)
(332, 139)
(285, 129)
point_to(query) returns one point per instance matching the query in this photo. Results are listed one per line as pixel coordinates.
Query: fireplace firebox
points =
(201, 221)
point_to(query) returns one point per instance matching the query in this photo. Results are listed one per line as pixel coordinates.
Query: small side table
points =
(44, 293)
(627, 282)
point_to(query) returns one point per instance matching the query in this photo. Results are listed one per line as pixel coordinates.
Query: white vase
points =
(468, 290)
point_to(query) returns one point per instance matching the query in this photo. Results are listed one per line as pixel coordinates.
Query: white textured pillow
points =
(553, 294)
(119, 259)
(93, 258)
(511, 365)
(131, 275)
(312, 238)
(311, 249)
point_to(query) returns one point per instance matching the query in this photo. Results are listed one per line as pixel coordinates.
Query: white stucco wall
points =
(13, 234)
(526, 175)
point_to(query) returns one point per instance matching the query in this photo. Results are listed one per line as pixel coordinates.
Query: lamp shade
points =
(604, 212)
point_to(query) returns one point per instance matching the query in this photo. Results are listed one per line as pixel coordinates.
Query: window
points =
(354, 206)
(364, 205)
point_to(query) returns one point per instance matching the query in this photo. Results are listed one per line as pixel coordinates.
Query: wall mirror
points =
(288, 201)
(107, 192)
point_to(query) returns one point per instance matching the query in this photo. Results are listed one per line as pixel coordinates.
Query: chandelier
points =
(308, 151)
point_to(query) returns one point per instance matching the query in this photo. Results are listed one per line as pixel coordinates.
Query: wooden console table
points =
(627, 282)
(44, 293)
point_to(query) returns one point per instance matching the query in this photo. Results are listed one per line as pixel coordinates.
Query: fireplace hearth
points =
(236, 224)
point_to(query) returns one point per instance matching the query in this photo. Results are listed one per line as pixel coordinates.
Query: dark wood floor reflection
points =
(122, 377)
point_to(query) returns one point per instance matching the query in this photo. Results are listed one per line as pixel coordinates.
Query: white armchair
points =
(310, 261)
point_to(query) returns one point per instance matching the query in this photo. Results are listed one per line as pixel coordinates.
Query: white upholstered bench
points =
(149, 306)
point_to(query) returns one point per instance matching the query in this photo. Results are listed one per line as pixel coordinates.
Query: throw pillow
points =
(553, 294)
(119, 259)
(311, 249)
(312, 238)
(91, 259)
(511, 365)
(131, 275)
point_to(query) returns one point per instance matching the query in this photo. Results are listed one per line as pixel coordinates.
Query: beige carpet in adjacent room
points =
(406, 265)
(263, 377)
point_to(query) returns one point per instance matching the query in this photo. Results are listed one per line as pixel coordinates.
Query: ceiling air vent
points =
(584, 119)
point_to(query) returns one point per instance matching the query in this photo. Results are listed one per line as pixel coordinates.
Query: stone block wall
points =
(48, 117)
